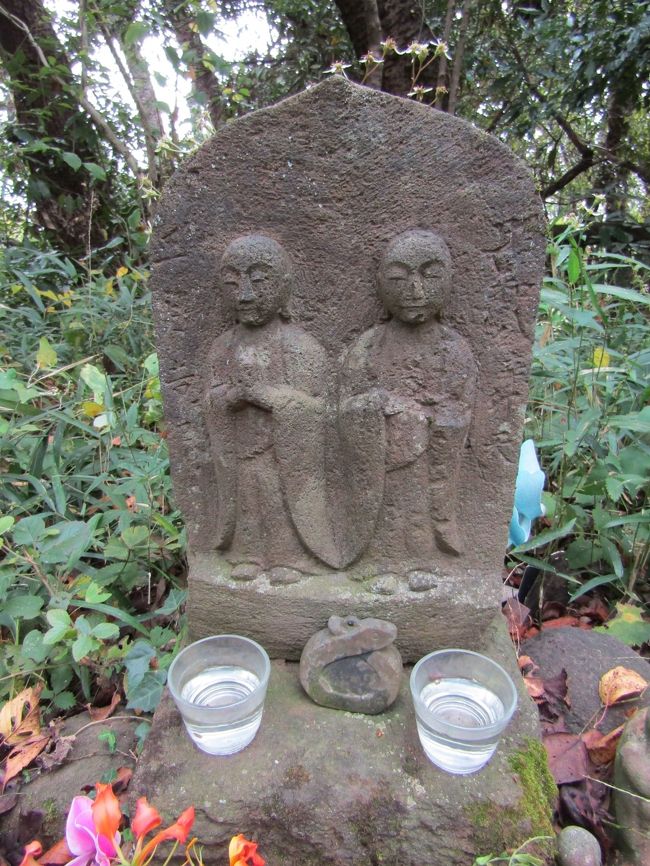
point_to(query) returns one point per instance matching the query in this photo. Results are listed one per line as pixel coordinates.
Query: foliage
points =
(589, 416)
(89, 538)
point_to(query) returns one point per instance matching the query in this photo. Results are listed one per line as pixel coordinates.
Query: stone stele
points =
(345, 288)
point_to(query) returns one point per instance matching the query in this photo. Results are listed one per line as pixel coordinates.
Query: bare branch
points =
(584, 165)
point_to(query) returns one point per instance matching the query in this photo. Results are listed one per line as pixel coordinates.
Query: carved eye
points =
(351, 622)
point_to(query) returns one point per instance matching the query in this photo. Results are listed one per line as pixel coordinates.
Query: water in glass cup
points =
(467, 704)
(222, 686)
(463, 702)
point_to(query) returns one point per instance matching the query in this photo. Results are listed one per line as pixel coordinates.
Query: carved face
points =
(255, 275)
(415, 276)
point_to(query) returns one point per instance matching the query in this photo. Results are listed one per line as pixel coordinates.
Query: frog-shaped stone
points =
(352, 665)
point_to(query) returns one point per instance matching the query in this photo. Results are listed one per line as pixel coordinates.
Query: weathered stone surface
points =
(631, 794)
(344, 315)
(88, 762)
(321, 786)
(454, 613)
(352, 665)
(586, 655)
(578, 847)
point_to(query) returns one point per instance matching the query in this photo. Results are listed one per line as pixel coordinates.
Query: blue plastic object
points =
(528, 494)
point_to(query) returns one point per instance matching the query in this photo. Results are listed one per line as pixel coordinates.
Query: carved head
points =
(414, 276)
(256, 278)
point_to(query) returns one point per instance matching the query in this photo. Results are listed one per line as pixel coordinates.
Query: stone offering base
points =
(457, 611)
(320, 786)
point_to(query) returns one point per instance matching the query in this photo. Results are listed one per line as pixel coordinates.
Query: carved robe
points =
(422, 378)
(265, 410)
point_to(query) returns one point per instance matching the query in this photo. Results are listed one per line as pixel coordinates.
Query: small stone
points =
(578, 847)
(386, 584)
(281, 576)
(421, 581)
(245, 571)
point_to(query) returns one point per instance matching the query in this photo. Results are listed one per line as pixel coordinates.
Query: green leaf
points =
(116, 613)
(638, 422)
(173, 601)
(95, 594)
(61, 626)
(135, 32)
(106, 631)
(23, 606)
(6, 522)
(138, 660)
(110, 739)
(95, 170)
(70, 543)
(34, 647)
(601, 580)
(134, 536)
(628, 625)
(546, 537)
(146, 694)
(83, 646)
(573, 266)
(72, 160)
(614, 488)
(65, 700)
(46, 357)
(205, 21)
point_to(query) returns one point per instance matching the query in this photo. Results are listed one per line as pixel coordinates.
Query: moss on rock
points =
(500, 828)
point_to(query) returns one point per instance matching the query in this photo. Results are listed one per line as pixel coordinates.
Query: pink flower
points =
(82, 837)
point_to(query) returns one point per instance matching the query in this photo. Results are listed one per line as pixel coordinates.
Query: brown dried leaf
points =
(12, 725)
(567, 757)
(620, 684)
(59, 753)
(602, 747)
(100, 714)
(535, 686)
(57, 855)
(22, 756)
(121, 783)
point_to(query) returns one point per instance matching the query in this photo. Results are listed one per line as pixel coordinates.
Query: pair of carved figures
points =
(313, 476)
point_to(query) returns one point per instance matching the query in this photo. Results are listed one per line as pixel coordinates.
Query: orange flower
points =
(33, 849)
(179, 831)
(146, 818)
(241, 851)
(106, 811)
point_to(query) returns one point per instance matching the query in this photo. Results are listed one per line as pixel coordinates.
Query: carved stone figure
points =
(632, 774)
(421, 375)
(264, 412)
(352, 665)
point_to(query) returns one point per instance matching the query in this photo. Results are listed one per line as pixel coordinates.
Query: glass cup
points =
(463, 702)
(219, 685)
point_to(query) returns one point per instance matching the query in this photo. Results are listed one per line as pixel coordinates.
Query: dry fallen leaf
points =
(535, 686)
(12, 725)
(620, 684)
(57, 855)
(22, 756)
(62, 748)
(602, 747)
(100, 714)
(567, 757)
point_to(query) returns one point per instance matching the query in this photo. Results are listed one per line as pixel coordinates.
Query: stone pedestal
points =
(320, 786)
(456, 612)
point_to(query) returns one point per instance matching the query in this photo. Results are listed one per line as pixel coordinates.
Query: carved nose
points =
(246, 292)
(416, 286)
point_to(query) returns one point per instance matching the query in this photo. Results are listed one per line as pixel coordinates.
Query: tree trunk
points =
(47, 110)
(205, 84)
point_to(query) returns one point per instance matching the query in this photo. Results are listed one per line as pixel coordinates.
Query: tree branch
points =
(459, 55)
(441, 81)
(584, 165)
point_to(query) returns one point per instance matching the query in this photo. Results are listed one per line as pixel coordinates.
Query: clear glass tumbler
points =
(219, 685)
(463, 702)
